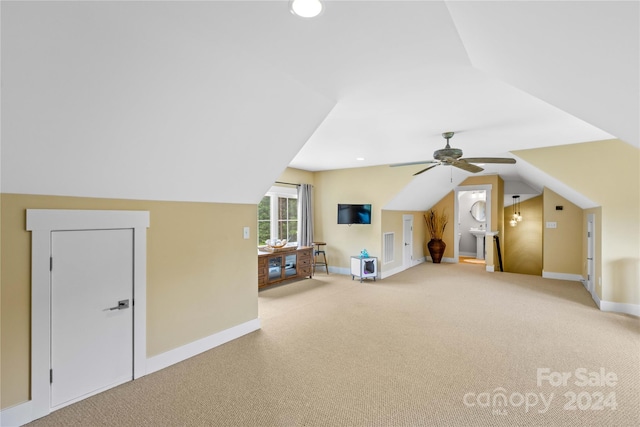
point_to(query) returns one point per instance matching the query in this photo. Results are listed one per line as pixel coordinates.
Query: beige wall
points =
(607, 172)
(522, 244)
(393, 222)
(374, 185)
(201, 275)
(445, 205)
(562, 246)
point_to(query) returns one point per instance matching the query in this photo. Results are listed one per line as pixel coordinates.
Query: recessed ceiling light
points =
(360, 158)
(306, 8)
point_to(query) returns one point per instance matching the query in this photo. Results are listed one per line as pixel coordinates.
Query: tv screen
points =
(354, 214)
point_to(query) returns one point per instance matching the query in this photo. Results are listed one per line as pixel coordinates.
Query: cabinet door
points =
(275, 268)
(290, 265)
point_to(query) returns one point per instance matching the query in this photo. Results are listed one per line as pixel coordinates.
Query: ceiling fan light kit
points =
(449, 156)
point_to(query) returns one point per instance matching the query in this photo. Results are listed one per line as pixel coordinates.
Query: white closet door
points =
(91, 312)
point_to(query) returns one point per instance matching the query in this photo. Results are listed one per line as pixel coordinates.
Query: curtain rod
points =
(287, 183)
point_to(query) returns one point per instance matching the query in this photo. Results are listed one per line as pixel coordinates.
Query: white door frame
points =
(405, 219)
(41, 222)
(591, 255)
(456, 226)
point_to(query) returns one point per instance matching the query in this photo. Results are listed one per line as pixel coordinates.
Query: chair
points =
(319, 250)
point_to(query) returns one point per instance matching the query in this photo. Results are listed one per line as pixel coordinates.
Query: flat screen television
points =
(354, 214)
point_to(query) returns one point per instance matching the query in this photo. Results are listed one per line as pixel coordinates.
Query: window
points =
(278, 215)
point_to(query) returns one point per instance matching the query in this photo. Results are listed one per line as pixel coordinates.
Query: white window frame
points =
(274, 193)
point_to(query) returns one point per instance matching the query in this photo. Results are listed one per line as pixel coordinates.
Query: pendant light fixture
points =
(516, 217)
(306, 8)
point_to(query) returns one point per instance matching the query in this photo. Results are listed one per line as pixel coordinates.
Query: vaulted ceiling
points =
(206, 97)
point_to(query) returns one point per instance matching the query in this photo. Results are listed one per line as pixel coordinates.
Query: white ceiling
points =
(200, 93)
(404, 72)
(503, 75)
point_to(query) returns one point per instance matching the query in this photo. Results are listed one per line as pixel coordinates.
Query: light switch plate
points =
(246, 232)
(552, 224)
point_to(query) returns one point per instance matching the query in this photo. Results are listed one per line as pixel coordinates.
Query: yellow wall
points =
(607, 172)
(374, 185)
(393, 222)
(445, 205)
(201, 275)
(562, 246)
(522, 244)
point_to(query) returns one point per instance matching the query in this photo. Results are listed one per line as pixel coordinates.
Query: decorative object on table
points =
(276, 243)
(364, 254)
(436, 223)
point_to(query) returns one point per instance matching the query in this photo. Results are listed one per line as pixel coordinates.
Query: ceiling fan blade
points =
(504, 160)
(424, 162)
(426, 169)
(462, 164)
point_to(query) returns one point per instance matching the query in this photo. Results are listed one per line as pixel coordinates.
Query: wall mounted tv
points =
(354, 214)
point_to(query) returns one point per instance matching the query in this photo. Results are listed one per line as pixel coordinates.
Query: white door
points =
(91, 332)
(591, 268)
(407, 239)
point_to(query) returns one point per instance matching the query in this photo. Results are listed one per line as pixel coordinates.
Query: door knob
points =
(121, 305)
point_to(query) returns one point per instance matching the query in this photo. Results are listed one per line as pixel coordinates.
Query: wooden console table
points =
(276, 267)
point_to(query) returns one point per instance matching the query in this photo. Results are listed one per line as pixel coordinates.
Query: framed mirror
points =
(478, 211)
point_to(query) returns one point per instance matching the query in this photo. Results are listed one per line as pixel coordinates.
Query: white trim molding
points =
(620, 307)
(194, 348)
(562, 276)
(17, 415)
(41, 222)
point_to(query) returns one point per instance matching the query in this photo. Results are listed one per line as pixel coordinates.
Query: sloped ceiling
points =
(211, 101)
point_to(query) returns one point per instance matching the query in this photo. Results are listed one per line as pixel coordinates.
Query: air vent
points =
(389, 239)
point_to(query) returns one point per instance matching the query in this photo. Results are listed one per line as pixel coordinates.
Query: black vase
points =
(436, 249)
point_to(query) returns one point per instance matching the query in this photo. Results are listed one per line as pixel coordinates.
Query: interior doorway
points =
(471, 221)
(407, 241)
(591, 250)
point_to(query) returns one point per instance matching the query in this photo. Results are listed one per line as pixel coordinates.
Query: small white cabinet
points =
(364, 268)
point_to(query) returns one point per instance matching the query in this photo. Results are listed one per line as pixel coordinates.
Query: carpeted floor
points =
(437, 345)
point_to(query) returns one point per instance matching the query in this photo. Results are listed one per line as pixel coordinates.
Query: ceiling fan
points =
(452, 157)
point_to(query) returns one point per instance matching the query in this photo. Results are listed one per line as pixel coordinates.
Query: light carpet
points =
(436, 345)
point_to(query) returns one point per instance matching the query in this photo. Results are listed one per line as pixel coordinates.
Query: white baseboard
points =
(562, 276)
(388, 273)
(444, 259)
(596, 299)
(346, 271)
(22, 414)
(179, 354)
(490, 268)
(620, 307)
(16, 415)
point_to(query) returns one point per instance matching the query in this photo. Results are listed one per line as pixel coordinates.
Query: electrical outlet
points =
(246, 232)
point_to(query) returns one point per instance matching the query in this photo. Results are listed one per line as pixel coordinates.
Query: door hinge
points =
(50, 376)
(588, 234)
(50, 263)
